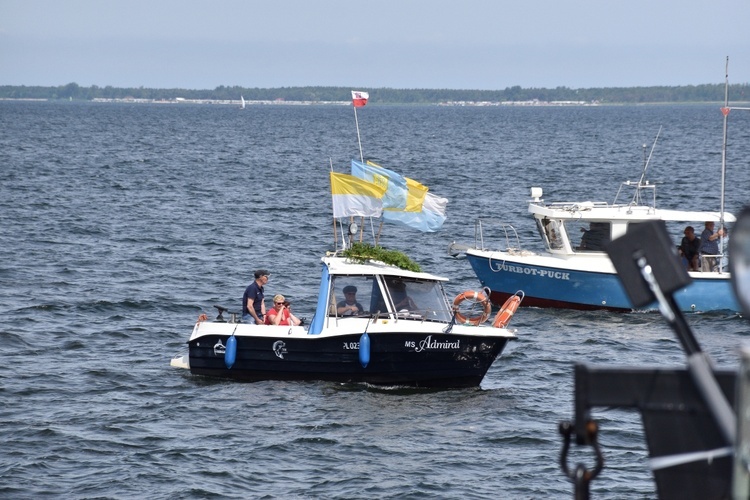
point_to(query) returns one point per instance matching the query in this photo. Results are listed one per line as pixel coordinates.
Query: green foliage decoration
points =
(362, 252)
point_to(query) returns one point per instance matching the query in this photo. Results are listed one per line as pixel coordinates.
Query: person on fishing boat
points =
(710, 246)
(349, 306)
(401, 299)
(690, 249)
(280, 315)
(253, 304)
(288, 305)
(595, 237)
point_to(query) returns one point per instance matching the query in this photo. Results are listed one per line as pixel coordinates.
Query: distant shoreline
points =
(281, 102)
(511, 96)
(254, 103)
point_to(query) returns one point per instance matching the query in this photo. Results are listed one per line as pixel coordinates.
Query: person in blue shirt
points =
(710, 245)
(253, 305)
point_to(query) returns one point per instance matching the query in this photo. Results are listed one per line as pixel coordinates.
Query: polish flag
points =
(359, 99)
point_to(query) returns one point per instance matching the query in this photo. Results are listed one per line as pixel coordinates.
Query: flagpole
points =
(359, 140)
(335, 235)
(380, 230)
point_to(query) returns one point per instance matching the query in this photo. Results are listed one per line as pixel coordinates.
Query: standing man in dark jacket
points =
(253, 305)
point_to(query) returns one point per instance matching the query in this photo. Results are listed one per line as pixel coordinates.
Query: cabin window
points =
(550, 230)
(352, 296)
(588, 236)
(418, 299)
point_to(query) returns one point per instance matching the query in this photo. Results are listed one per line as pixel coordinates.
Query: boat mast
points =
(724, 111)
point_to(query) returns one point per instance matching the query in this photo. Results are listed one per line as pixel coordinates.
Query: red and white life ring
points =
(477, 297)
(505, 314)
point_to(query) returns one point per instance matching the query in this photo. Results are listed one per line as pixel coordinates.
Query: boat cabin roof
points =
(344, 266)
(602, 211)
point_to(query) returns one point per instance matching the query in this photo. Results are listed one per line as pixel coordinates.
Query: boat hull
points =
(440, 360)
(564, 286)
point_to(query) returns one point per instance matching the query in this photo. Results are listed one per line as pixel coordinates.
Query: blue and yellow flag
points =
(396, 190)
(406, 202)
(415, 191)
(428, 220)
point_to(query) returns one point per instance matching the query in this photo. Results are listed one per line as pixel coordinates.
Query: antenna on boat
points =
(646, 162)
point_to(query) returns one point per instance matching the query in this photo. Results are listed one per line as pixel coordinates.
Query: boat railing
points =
(571, 206)
(499, 232)
(638, 197)
(429, 314)
(712, 263)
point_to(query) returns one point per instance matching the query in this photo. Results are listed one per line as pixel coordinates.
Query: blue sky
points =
(467, 44)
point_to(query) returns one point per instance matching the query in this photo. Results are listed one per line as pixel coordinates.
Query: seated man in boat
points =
(401, 299)
(689, 249)
(349, 306)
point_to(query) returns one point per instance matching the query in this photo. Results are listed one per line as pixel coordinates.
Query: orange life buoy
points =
(202, 317)
(505, 314)
(477, 297)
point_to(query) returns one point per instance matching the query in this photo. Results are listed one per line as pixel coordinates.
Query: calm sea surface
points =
(121, 223)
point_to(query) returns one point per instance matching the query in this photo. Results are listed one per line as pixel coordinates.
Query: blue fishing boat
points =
(573, 271)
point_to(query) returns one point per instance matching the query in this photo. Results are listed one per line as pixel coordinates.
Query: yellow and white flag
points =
(353, 196)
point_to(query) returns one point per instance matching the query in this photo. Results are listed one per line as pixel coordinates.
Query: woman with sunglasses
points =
(280, 315)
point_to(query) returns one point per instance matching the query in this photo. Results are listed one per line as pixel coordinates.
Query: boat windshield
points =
(420, 299)
(361, 296)
(353, 296)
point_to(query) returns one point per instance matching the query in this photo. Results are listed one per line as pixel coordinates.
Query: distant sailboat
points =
(242, 106)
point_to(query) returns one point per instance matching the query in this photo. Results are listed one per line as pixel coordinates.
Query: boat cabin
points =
(573, 236)
(568, 228)
(356, 290)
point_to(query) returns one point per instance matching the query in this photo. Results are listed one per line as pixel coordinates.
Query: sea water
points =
(121, 223)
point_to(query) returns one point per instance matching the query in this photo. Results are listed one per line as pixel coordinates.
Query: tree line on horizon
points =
(607, 95)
